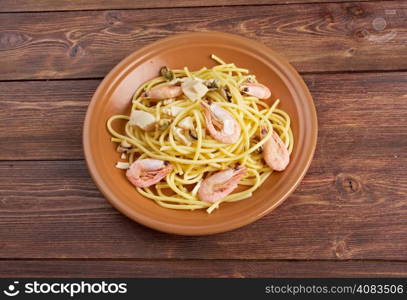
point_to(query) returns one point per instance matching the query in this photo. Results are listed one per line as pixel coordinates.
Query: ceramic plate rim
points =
(117, 72)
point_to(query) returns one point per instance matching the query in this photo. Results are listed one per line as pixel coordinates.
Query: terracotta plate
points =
(193, 50)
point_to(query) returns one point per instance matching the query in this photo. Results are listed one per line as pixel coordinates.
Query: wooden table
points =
(347, 218)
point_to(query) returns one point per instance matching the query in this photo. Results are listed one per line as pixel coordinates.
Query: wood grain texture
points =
(63, 5)
(47, 116)
(348, 217)
(315, 38)
(43, 119)
(202, 268)
(350, 205)
(53, 210)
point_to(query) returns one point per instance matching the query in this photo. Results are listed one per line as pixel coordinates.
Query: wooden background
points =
(347, 218)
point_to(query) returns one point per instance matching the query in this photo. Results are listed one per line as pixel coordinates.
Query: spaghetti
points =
(179, 135)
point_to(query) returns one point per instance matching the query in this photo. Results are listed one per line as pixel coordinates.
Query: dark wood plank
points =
(202, 268)
(63, 5)
(43, 119)
(350, 207)
(315, 38)
(47, 116)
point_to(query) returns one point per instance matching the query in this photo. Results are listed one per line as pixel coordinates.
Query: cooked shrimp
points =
(215, 116)
(163, 92)
(275, 152)
(220, 184)
(146, 172)
(255, 89)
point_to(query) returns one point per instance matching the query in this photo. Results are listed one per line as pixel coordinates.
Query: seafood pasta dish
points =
(197, 138)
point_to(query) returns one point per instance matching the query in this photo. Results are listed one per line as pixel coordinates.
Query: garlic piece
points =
(142, 119)
(122, 165)
(186, 123)
(175, 81)
(125, 144)
(168, 101)
(120, 149)
(194, 89)
(172, 110)
(180, 135)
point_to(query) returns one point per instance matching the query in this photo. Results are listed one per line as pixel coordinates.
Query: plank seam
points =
(200, 6)
(205, 259)
(301, 73)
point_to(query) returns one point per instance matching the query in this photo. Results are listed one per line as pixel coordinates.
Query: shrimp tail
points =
(275, 153)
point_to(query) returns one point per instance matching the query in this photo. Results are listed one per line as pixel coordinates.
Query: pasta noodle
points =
(202, 155)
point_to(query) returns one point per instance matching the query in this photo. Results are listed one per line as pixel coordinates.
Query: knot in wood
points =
(350, 52)
(361, 34)
(74, 51)
(341, 249)
(356, 11)
(347, 184)
(12, 39)
(329, 18)
(113, 17)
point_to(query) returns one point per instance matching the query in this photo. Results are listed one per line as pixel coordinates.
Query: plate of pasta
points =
(200, 133)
